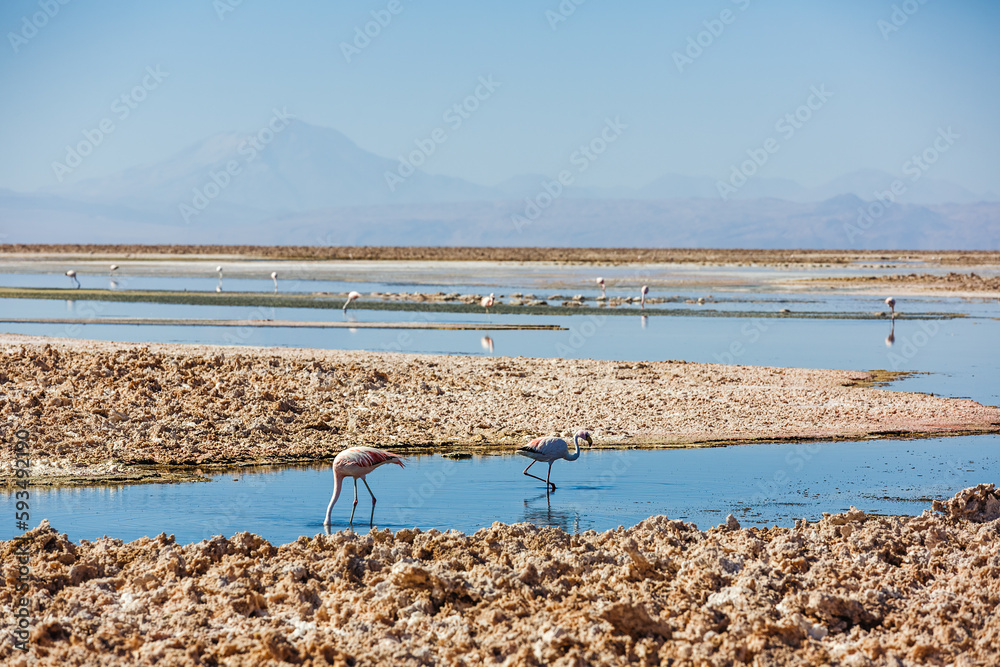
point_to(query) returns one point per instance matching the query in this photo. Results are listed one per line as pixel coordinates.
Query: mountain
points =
(865, 183)
(313, 185)
(303, 167)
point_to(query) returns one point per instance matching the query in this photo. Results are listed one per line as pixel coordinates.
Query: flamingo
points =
(600, 281)
(642, 296)
(487, 303)
(218, 270)
(72, 274)
(891, 302)
(358, 462)
(112, 269)
(274, 277)
(351, 297)
(548, 450)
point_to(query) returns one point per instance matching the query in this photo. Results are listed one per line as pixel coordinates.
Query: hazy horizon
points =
(813, 92)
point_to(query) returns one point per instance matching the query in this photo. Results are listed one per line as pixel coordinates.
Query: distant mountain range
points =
(312, 185)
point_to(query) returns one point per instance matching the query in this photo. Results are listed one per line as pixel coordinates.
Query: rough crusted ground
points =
(95, 408)
(848, 590)
(952, 282)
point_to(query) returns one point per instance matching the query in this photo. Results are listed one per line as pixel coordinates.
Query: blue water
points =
(761, 485)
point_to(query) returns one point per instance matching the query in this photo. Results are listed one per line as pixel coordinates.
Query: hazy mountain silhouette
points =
(314, 185)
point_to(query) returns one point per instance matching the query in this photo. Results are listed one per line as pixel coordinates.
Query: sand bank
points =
(848, 590)
(716, 256)
(104, 411)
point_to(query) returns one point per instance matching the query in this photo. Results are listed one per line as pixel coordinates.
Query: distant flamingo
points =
(892, 306)
(358, 462)
(642, 296)
(274, 277)
(218, 270)
(72, 274)
(548, 450)
(487, 303)
(600, 281)
(112, 269)
(351, 297)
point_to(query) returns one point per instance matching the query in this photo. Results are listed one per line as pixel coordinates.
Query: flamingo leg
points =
(547, 482)
(536, 476)
(371, 521)
(355, 505)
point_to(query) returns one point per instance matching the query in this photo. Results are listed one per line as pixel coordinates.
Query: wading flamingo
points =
(351, 297)
(548, 450)
(642, 296)
(487, 303)
(112, 269)
(274, 277)
(72, 274)
(218, 270)
(892, 306)
(600, 281)
(358, 462)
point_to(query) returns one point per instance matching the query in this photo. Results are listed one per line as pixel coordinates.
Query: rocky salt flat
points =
(850, 589)
(117, 412)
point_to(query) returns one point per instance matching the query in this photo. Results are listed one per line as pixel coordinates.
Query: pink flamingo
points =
(353, 296)
(642, 296)
(72, 274)
(892, 306)
(487, 303)
(274, 277)
(600, 281)
(358, 462)
(548, 450)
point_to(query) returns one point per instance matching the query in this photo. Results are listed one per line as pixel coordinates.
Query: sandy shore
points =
(759, 257)
(848, 590)
(104, 411)
(955, 284)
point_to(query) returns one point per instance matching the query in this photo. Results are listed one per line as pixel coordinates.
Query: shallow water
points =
(961, 353)
(761, 485)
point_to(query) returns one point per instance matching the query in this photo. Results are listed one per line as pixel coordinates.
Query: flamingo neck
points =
(338, 481)
(575, 455)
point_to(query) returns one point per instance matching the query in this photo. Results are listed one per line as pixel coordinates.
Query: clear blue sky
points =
(557, 86)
